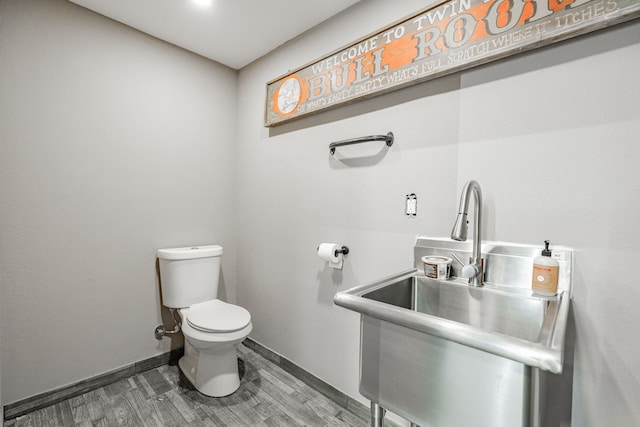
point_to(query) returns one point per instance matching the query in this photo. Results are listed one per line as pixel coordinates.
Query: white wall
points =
(551, 137)
(113, 144)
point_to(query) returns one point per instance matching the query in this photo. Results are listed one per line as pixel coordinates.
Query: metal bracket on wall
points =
(388, 139)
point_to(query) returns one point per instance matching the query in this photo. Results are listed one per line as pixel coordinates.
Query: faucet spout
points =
(459, 231)
(473, 271)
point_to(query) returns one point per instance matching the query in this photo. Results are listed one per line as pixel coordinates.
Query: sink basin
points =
(507, 323)
(516, 316)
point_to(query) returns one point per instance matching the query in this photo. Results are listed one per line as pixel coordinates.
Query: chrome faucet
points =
(474, 270)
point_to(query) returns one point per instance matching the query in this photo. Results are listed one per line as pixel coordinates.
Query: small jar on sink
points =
(437, 267)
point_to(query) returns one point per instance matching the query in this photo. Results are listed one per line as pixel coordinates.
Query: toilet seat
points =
(217, 316)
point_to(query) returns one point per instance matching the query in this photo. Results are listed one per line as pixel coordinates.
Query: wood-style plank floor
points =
(162, 397)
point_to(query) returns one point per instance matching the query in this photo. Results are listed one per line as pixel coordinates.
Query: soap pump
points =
(544, 280)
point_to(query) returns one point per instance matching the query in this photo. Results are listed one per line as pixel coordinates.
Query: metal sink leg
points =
(377, 415)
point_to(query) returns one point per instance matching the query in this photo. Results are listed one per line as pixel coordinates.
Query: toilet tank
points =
(189, 275)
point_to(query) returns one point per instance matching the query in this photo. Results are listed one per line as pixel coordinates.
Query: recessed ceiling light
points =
(203, 3)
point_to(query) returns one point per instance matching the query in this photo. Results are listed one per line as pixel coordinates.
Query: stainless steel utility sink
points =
(502, 317)
(430, 347)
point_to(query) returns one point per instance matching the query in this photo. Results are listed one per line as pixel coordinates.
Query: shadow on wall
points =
(329, 280)
(176, 340)
(556, 390)
(565, 51)
(342, 161)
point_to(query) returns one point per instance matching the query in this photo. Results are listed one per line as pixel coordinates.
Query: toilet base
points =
(212, 373)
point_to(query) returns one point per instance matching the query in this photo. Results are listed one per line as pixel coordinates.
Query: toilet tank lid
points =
(190, 252)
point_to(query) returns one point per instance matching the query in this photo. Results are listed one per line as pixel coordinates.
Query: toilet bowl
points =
(211, 336)
(189, 279)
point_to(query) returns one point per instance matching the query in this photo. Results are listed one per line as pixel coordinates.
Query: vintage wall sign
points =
(449, 37)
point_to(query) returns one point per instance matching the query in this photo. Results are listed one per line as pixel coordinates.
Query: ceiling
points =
(231, 32)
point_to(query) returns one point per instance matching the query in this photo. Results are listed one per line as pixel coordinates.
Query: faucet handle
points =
(470, 270)
(457, 258)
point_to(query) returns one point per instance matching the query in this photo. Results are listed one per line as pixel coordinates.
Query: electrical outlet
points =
(411, 205)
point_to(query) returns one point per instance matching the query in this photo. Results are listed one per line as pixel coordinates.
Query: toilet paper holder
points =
(344, 251)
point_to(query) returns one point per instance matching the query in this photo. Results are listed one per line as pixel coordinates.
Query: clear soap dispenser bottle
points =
(544, 280)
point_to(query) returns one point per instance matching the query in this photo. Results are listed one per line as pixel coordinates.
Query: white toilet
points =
(212, 328)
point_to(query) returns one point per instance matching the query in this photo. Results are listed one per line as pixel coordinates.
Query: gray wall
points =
(550, 135)
(113, 144)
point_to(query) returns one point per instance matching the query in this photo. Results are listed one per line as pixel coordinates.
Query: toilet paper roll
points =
(329, 252)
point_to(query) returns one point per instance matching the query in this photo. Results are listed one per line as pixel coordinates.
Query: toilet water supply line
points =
(161, 330)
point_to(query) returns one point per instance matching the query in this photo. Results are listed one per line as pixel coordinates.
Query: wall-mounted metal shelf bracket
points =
(388, 139)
